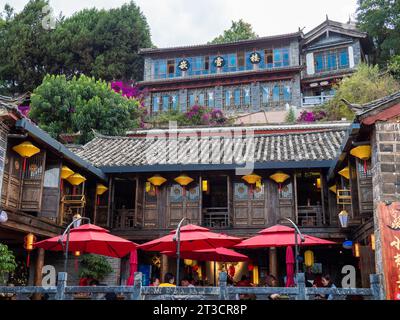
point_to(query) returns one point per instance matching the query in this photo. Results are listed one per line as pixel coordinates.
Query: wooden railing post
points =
(61, 284)
(375, 287)
(137, 287)
(223, 292)
(301, 285)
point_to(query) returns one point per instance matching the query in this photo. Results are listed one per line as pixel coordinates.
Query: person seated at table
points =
(327, 283)
(272, 281)
(169, 280)
(155, 282)
(186, 283)
(245, 282)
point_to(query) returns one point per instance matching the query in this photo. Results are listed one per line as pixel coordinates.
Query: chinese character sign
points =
(389, 220)
(219, 62)
(255, 58)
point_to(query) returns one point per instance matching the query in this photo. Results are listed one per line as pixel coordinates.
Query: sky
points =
(187, 22)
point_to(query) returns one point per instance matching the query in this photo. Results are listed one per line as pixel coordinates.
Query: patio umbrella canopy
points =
(218, 254)
(279, 236)
(133, 263)
(192, 238)
(289, 267)
(90, 238)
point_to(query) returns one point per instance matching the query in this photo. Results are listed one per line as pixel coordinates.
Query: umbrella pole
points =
(178, 249)
(215, 273)
(66, 252)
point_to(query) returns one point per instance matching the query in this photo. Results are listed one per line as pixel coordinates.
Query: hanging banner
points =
(389, 222)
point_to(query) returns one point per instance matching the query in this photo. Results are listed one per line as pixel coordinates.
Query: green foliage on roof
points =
(239, 30)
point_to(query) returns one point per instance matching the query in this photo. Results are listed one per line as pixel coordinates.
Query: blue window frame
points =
(277, 58)
(344, 58)
(285, 57)
(246, 96)
(265, 95)
(275, 93)
(228, 97)
(165, 103)
(331, 61)
(232, 62)
(319, 62)
(192, 100)
(287, 93)
(210, 99)
(200, 98)
(156, 104)
(174, 101)
(160, 69)
(236, 97)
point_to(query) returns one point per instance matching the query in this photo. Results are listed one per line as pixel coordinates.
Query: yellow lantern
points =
(333, 189)
(373, 242)
(183, 180)
(251, 178)
(280, 178)
(258, 184)
(157, 181)
(318, 183)
(357, 250)
(256, 278)
(76, 179)
(29, 241)
(363, 153)
(204, 185)
(148, 186)
(188, 262)
(100, 189)
(345, 173)
(309, 258)
(66, 172)
(77, 253)
(26, 150)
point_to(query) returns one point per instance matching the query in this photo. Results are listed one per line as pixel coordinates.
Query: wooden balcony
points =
(217, 217)
(125, 219)
(310, 216)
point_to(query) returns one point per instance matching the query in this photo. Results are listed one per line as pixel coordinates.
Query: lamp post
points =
(76, 222)
(177, 238)
(296, 232)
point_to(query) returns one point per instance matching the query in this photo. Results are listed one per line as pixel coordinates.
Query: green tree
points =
(7, 262)
(24, 49)
(366, 85)
(239, 30)
(81, 104)
(380, 18)
(291, 116)
(394, 66)
(95, 267)
(99, 43)
(103, 43)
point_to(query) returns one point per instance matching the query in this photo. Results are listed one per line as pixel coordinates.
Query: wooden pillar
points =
(164, 267)
(38, 272)
(273, 262)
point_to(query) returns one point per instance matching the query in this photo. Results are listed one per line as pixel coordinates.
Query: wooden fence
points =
(223, 292)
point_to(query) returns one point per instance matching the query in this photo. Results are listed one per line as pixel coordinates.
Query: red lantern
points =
(195, 268)
(29, 240)
(231, 271)
(250, 267)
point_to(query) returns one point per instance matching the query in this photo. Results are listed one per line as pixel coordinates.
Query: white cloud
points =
(185, 22)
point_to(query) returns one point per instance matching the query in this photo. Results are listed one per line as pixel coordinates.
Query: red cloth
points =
(243, 283)
(289, 267)
(192, 237)
(279, 236)
(133, 263)
(90, 238)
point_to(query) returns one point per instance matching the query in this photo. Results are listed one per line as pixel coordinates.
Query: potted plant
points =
(94, 267)
(7, 265)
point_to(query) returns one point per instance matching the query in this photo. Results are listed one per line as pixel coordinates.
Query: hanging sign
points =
(184, 65)
(255, 58)
(219, 62)
(389, 225)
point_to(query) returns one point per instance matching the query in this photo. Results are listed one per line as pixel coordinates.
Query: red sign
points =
(389, 222)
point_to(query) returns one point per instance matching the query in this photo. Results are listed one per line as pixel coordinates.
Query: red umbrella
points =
(133, 262)
(192, 238)
(217, 254)
(280, 236)
(289, 267)
(90, 238)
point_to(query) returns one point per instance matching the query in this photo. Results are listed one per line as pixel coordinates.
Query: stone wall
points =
(385, 142)
(3, 148)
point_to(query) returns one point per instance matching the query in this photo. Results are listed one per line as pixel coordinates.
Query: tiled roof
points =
(320, 145)
(382, 103)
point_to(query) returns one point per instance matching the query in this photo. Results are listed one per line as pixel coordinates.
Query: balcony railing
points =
(312, 101)
(217, 217)
(124, 219)
(310, 216)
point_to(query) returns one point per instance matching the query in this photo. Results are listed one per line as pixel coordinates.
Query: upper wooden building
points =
(267, 74)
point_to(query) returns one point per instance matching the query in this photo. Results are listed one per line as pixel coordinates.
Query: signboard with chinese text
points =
(389, 222)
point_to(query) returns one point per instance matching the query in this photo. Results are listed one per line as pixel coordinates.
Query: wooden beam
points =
(38, 272)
